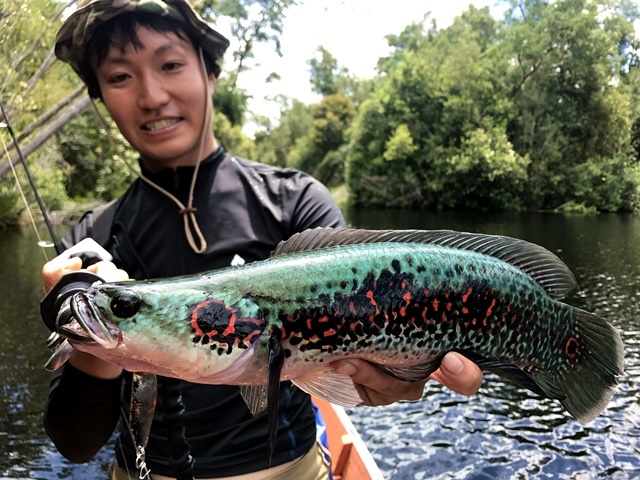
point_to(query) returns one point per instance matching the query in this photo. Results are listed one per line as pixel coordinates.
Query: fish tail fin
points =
(595, 357)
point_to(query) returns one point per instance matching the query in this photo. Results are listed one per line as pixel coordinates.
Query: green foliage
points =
(232, 137)
(529, 112)
(274, 143)
(231, 101)
(608, 184)
(321, 152)
(537, 110)
(96, 169)
(484, 173)
(10, 202)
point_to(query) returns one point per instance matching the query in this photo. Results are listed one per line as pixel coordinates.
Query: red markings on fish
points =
(465, 296)
(369, 295)
(572, 347)
(230, 330)
(490, 309)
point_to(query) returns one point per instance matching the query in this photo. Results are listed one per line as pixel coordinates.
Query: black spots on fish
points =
(421, 269)
(313, 288)
(354, 270)
(223, 328)
(287, 353)
(395, 264)
(343, 284)
(125, 303)
(458, 268)
(211, 316)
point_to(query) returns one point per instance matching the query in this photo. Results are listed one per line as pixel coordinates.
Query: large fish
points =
(400, 299)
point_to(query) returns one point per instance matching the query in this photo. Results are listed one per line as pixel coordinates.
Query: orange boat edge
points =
(351, 459)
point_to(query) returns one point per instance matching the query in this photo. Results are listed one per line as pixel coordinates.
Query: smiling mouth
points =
(160, 124)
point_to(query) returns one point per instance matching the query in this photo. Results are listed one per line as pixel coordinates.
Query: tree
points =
(316, 152)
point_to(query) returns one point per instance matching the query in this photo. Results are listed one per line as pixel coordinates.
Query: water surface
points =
(501, 433)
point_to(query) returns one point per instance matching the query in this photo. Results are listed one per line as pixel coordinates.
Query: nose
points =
(152, 93)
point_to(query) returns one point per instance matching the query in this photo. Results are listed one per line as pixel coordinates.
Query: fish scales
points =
(369, 299)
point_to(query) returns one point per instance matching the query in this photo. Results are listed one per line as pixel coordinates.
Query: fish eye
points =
(125, 304)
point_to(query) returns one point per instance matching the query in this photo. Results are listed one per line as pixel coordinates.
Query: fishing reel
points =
(54, 307)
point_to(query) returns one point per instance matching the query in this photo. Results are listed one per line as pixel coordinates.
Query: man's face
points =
(156, 96)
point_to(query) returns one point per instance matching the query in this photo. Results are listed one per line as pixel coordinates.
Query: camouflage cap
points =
(77, 30)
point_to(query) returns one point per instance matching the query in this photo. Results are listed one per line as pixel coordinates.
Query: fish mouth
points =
(88, 326)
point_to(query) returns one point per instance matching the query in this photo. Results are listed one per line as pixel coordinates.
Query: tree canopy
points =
(536, 110)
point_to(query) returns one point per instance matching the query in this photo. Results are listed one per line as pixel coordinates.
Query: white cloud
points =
(352, 30)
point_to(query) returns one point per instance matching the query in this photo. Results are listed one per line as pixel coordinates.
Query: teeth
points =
(160, 124)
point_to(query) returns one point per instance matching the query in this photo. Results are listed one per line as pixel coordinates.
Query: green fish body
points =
(400, 299)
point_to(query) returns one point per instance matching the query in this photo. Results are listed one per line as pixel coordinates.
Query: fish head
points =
(171, 329)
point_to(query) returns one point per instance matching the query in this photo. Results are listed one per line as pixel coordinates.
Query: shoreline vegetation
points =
(530, 106)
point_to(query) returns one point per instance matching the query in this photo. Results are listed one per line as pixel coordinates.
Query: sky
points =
(353, 31)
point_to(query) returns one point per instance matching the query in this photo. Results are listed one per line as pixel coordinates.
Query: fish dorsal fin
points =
(538, 262)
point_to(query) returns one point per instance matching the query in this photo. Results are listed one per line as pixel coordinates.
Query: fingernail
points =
(346, 368)
(452, 364)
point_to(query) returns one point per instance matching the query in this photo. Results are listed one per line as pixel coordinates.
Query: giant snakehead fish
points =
(399, 299)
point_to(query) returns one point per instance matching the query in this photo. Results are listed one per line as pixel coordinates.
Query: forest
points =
(538, 110)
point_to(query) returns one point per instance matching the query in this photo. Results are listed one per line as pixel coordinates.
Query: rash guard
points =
(244, 210)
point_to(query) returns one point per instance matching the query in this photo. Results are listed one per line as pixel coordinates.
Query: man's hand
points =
(376, 388)
(52, 272)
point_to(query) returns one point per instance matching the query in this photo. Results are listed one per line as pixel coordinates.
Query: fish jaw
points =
(89, 327)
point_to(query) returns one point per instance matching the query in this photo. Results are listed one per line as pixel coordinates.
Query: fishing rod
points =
(6, 124)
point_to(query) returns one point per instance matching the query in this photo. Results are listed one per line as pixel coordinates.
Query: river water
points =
(503, 432)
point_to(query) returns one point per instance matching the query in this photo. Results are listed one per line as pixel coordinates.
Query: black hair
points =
(122, 31)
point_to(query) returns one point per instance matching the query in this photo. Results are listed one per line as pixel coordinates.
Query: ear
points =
(212, 82)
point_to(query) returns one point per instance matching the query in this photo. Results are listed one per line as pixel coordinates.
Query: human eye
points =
(172, 66)
(117, 78)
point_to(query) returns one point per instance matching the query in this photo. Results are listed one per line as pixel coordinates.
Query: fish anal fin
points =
(515, 375)
(330, 386)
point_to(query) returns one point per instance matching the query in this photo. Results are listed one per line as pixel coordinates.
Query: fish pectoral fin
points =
(515, 375)
(330, 386)
(255, 396)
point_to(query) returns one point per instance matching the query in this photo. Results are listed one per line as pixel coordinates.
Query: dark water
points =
(501, 433)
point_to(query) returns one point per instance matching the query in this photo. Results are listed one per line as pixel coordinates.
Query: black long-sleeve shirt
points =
(245, 209)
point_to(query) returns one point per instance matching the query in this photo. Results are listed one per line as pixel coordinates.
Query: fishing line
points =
(41, 243)
(6, 124)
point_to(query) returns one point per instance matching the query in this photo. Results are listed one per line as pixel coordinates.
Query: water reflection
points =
(502, 433)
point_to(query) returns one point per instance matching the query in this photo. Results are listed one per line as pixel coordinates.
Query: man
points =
(154, 64)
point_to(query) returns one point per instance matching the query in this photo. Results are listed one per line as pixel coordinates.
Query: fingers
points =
(459, 374)
(375, 387)
(108, 272)
(52, 271)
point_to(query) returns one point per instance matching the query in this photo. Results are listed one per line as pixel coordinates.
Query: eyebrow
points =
(123, 60)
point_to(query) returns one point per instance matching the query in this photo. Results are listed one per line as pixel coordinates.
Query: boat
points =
(351, 459)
